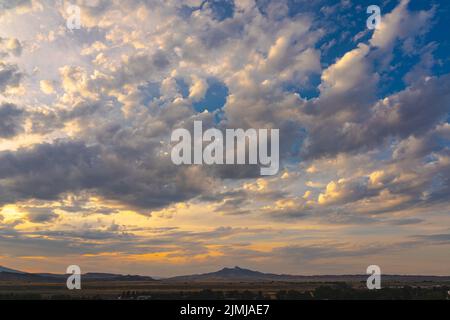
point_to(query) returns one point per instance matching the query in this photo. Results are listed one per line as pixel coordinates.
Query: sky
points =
(86, 117)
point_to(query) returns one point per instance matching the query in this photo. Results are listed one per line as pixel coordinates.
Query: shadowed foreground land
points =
(145, 290)
(227, 283)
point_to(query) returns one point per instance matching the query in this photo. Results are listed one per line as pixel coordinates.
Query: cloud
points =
(406, 221)
(400, 115)
(443, 238)
(9, 75)
(39, 215)
(12, 4)
(400, 23)
(85, 145)
(344, 191)
(198, 89)
(47, 86)
(46, 171)
(11, 120)
(11, 45)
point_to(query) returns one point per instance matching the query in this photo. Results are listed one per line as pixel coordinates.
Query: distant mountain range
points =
(246, 275)
(7, 274)
(235, 274)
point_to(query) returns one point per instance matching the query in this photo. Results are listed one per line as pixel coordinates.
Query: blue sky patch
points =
(215, 97)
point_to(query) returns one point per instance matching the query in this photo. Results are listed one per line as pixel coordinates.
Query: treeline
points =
(345, 292)
(38, 296)
(195, 295)
(20, 296)
(339, 291)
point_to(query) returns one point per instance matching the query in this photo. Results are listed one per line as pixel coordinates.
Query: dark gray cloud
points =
(139, 67)
(405, 221)
(18, 244)
(443, 238)
(138, 177)
(91, 240)
(39, 215)
(11, 119)
(413, 111)
(9, 75)
(11, 4)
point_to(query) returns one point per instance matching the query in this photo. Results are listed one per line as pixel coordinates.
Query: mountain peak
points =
(236, 268)
(226, 274)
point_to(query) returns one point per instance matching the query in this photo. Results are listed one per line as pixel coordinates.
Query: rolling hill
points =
(3, 269)
(7, 274)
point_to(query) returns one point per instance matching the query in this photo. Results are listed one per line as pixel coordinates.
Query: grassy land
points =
(222, 290)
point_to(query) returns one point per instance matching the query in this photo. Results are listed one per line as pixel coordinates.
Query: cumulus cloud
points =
(87, 143)
(39, 215)
(46, 86)
(46, 171)
(198, 89)
(11, 120)
(399, 115)
(12, 4)
(9, 75)
(400, 23)
(10, 46)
